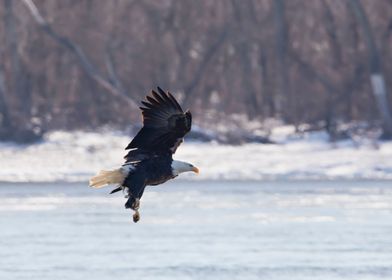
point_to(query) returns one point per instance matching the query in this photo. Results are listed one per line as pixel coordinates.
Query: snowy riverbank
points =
(75, 156)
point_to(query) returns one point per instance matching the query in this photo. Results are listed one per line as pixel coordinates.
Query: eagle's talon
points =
(136, 216)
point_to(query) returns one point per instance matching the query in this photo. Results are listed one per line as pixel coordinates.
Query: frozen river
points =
(198, 230)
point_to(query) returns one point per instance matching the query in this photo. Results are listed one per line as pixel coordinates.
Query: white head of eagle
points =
(181, 166)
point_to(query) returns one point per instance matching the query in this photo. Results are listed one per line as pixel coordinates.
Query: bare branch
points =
(85, 63)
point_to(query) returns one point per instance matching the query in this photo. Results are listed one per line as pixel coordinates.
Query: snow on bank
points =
(75, 156)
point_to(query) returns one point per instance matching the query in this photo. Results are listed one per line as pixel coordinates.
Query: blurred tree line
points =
(84, 64)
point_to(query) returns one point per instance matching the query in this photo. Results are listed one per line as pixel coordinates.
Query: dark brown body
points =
(149, 172)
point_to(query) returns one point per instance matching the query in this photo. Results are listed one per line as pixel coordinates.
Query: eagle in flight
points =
(150, 161)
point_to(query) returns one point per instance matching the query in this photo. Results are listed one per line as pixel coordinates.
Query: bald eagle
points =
(149, 160)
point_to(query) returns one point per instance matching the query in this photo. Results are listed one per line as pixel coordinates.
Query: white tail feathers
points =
(109, 177)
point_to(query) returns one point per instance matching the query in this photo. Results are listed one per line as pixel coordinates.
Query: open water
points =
(198, 230)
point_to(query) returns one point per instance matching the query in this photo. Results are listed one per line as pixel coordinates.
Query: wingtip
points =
(174, 101)
(158, 98)
(163, 94)
(160, 90)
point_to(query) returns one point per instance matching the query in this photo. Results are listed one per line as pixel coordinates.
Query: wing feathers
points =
(174, 101)
(152, 100)
(164, 123)
(157, 97)
(148, 105)
(169, 100)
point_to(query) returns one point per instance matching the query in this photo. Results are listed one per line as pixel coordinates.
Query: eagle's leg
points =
(136, 206)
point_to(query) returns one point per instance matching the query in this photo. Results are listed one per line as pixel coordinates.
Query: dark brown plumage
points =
(164, 124)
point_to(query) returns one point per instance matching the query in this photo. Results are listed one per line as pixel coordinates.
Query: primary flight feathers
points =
(164, 124)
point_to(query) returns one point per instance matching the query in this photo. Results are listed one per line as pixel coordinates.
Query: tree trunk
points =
(281, 57)
(5, 120)
(16, 123)
(376, 74)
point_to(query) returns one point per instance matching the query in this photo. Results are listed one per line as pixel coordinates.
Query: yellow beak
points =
(195, 169)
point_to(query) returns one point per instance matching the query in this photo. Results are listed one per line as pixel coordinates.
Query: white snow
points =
(75, 156)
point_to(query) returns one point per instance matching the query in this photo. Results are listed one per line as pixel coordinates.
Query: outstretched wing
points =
(164, 124)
